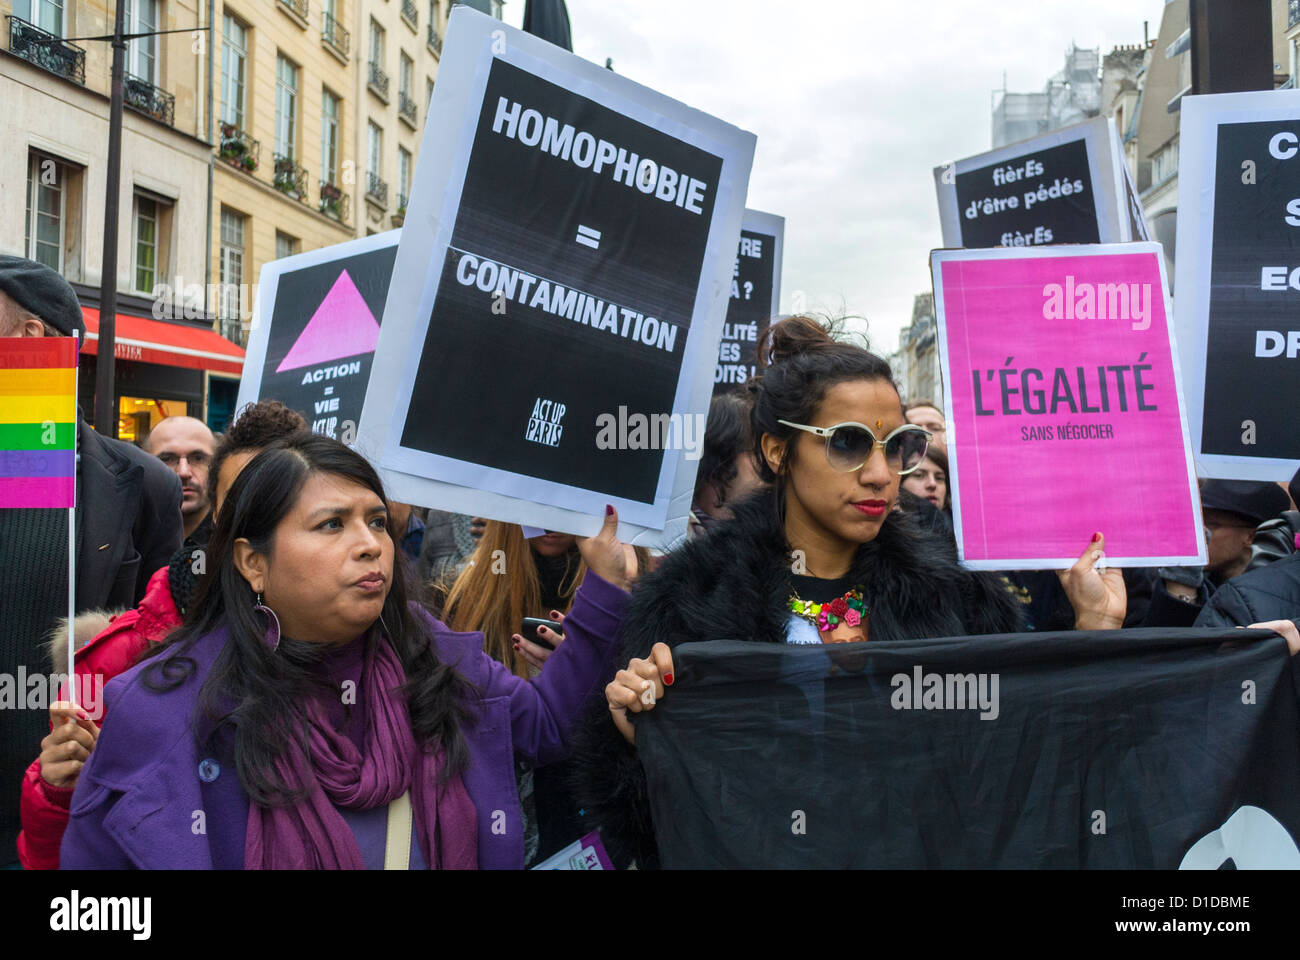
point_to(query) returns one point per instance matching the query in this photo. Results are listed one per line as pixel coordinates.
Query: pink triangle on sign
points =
(342, 326)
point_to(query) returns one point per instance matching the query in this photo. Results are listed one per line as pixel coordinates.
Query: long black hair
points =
(259, 691)
(801, 359)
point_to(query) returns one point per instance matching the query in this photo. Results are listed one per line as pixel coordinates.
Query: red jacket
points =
(114, 650)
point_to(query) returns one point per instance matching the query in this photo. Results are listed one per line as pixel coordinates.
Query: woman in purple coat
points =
(307, 716)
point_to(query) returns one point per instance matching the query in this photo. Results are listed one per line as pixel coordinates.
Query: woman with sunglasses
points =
(819, 556)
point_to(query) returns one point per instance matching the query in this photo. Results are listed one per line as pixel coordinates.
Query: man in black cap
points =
(1276, 538)
(128, 520)
(1231, 510)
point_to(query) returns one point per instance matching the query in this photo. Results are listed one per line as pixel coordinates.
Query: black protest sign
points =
(566, 293)
(753, 303)
(1042, 197)
(1252, 349)
(1058, 188)
(1115, 749)
(316, 334)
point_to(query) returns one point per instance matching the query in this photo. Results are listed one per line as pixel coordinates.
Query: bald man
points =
(185, 446)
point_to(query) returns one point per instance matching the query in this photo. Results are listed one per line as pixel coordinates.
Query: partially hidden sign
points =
(1238, 281)
(315, 327)
(1063, 187)
(755, 299)
(1064, 407)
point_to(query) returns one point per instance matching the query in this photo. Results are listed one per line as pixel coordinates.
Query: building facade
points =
(402, 46)
(916, 362)
(285, 99)
(53, 180)
(1147, 110)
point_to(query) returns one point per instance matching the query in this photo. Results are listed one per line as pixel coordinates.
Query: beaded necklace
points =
(841, 620)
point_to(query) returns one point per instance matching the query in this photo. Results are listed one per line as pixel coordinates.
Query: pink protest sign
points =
(1064, 407)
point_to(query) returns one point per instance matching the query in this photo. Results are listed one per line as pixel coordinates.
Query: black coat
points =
(1269, 593)
(128, 520)
(733, 583)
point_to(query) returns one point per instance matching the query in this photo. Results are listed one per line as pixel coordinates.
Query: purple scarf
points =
(313, 835)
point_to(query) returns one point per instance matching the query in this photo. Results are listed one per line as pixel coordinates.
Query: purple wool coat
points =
(152, 797)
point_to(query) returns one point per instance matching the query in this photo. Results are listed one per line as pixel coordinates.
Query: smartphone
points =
(529, 630)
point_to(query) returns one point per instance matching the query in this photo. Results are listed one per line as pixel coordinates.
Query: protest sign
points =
(1238, 281)
(1062, 187)
(315, 326)
(1064, 407)
(550, 333)
(1084, 749)
(755, 299)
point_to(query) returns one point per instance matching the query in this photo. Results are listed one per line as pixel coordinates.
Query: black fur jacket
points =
(733, 583)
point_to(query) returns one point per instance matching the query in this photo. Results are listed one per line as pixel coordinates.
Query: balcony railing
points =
(335, 203)
(401, 204)
(409, 13)
(376, 190)
(333, 33)
(143, 96)
(296, 6)
(378, 81)
(47, 51)
(290, 178)
(406, 107)
(238, 149)
(435, 41)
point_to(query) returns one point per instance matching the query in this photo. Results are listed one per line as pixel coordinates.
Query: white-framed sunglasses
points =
(850, 444)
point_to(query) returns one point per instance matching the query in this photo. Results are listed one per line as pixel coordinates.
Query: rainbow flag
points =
(38, 422)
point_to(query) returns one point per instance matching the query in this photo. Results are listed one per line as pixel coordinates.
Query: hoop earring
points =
(273, 631)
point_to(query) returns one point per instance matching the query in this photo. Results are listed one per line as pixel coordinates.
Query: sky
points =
(853, 104)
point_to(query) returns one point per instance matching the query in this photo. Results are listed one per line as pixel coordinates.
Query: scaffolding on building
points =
(1072, 94)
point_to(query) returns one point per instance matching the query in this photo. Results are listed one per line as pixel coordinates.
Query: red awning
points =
(171, 344)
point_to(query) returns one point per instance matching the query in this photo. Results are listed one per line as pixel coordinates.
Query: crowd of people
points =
(300, 671)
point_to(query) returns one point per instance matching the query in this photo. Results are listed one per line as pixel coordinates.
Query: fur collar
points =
(733, 583)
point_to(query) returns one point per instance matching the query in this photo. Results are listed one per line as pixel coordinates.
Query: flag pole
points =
(72, 546)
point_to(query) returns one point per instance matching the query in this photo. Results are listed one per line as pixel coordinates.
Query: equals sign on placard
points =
(588, 237)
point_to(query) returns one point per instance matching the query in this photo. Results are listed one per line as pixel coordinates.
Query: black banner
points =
(1252, 363)
(1039, 198)
(567, 293)
(748, 312)
(324, 327)
(1109, 749)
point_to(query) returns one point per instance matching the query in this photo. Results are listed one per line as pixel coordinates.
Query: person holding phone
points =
(517, 591)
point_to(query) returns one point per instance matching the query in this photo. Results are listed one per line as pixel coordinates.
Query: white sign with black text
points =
(567, 253)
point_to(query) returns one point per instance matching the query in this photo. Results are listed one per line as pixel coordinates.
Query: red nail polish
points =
(609, 511)
(668, 679)
(1096, 537)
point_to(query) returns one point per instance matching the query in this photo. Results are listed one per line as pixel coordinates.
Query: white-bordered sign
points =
(315, 327)
(1237, 281)
(1064, 407)
(566, 259)
(755, 299)
(1061, 187)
